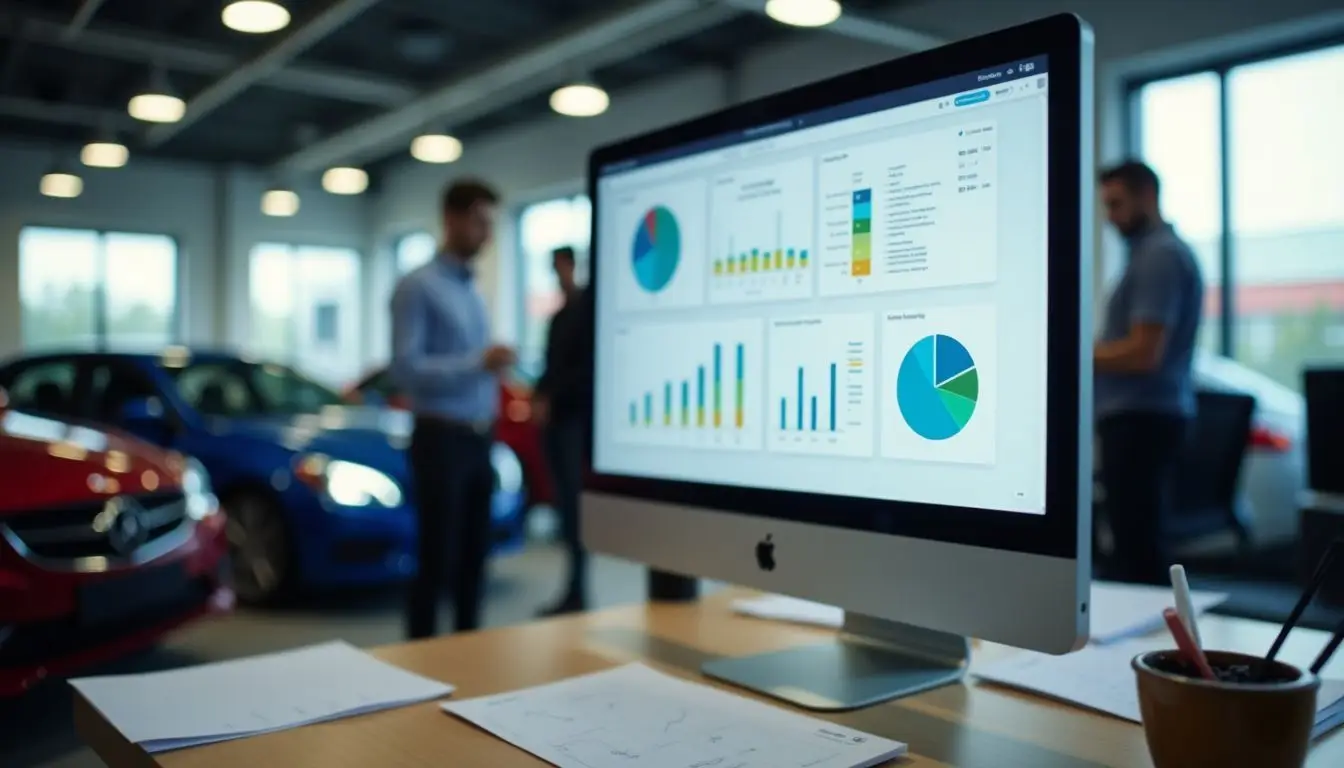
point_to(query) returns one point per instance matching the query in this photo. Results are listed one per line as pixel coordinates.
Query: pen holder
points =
(1257, 713)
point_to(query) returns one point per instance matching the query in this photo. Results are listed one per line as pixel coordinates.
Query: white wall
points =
(547, 157)
(213, 212)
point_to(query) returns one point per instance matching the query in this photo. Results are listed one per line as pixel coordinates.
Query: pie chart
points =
(657, 249)
(937, 387)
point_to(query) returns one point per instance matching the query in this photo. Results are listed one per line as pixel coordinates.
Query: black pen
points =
(1317, 578)
(1330, 648)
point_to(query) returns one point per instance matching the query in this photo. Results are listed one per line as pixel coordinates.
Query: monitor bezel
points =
(1068, 374)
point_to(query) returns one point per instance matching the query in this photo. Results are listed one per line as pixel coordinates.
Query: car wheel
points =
(259, 548)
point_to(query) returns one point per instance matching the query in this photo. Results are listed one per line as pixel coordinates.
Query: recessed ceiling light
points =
(280, 202)
(345, 181)
(580, 100)
(803, 13)
(104, 154)
(255, 17)
(157, 108)
(61, 184)
(436, 148)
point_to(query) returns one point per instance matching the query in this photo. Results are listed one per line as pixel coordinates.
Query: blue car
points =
(316, 492)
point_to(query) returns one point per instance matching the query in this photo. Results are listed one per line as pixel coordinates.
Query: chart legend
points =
(763, 229)
(696, 385)
(938, 390)
(821, 385)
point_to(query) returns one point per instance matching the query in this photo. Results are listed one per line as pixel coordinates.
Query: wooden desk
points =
(972, 725)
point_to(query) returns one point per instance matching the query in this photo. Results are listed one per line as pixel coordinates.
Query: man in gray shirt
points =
(1144, 396)
(445, 362)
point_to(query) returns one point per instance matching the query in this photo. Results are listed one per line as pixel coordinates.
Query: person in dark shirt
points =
(561, 403)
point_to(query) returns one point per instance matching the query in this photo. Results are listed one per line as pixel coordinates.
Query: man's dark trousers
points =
(1140, 453)
(564, 444)
(454, 482)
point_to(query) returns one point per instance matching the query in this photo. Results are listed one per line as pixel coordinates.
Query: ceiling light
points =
(580, 100)
(104, 154)
(345, 181)
(61, 184)
(255, 17)
(436, 148)
(280, 202)
(803, 13)
(157, 108)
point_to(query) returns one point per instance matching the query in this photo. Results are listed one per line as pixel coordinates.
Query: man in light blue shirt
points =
(445, 362)
(1144, 395)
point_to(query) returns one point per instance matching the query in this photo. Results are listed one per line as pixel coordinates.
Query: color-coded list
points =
(861, 254)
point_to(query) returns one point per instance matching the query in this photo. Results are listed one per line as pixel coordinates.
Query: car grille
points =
(79, 531)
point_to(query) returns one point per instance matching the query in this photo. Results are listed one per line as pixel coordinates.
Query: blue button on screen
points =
(971, 98)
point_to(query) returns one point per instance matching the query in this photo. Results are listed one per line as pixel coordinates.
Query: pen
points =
(1322, 569)
(1184, 606)
(1186, 645)
(1330, 648)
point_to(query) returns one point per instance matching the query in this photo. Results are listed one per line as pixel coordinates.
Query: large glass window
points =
(305, 309)
(83, 288)
(543, 227)
(414, 250)
(1274, 259)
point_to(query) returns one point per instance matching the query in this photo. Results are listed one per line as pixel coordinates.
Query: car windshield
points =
(240, 388)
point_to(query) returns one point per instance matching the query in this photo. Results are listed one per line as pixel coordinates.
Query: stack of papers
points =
(1099, 677)
(232, 699)
(1118, 611)
(635, 717)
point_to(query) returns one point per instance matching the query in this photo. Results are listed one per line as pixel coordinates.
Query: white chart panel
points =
(821, 385)
(763, 223)
(660, 234)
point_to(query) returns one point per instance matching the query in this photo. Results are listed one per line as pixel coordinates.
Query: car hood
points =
(375, 437)
(47, 463)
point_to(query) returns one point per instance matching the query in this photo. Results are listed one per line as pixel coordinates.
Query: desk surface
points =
(970, 725)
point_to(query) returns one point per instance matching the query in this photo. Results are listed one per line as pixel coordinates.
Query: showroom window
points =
(305, 309)
(543, 227)
(93, 289)
(413, 250)
(1250, 166)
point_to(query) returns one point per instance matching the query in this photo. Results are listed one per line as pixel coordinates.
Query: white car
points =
(1274, 473)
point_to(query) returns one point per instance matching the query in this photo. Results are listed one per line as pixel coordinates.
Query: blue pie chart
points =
(657, 249)
(937, 387)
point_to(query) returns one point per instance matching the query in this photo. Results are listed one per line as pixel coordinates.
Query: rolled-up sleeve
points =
(1156, 294)
(414, 369)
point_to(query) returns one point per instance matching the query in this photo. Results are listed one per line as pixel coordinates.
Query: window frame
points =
(100, 304)
(1221, 67)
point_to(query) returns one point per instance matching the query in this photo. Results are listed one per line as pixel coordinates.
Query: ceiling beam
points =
(859, 27)
(197, 58)
(536, 69)
(64, 114)
(82, 18)
(268, 62)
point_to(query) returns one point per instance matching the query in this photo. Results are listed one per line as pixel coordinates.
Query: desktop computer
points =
(842, 352)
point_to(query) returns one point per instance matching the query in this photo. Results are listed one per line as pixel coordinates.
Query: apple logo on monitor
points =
(765, 553)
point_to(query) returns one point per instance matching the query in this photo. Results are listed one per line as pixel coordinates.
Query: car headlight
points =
(197, 491)
(508, 470)
(349, 484)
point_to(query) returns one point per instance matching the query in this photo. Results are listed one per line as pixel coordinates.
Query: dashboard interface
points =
(848, 302)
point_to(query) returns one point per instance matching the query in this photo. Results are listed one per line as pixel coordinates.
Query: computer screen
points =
(849, 302)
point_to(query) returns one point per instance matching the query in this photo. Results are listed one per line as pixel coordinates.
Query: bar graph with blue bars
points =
(676, 395)
(820, 385)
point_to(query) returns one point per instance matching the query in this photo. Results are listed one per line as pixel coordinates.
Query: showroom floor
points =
(36, 731)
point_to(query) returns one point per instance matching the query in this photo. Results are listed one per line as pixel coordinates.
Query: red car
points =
(515, 428)
(106, 545)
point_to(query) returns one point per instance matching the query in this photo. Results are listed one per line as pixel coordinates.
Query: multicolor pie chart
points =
(657, 249)
(937, 387)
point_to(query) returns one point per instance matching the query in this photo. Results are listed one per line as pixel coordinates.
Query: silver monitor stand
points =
(872, 660)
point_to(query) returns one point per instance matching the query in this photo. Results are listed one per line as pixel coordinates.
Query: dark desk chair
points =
(1210, 471)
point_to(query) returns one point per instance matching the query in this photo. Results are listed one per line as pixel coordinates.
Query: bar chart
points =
(692, 385)
(762, 220)
(821, 385)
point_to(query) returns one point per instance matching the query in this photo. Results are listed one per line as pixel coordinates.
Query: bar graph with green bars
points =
(710, 389)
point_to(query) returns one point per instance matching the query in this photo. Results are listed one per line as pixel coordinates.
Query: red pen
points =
(1186, 644)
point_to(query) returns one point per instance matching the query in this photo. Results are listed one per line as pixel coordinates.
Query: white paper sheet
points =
(1118, 611)
(1121, 611)
(636, 717)
(785, 608)
(1099, 677)
(244, 697)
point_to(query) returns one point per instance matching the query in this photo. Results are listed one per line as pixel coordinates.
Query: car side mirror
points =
(143, 411)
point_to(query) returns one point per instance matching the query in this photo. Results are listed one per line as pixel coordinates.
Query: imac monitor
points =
(842, 353)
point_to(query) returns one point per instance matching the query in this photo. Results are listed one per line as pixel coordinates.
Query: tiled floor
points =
(36, 731)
